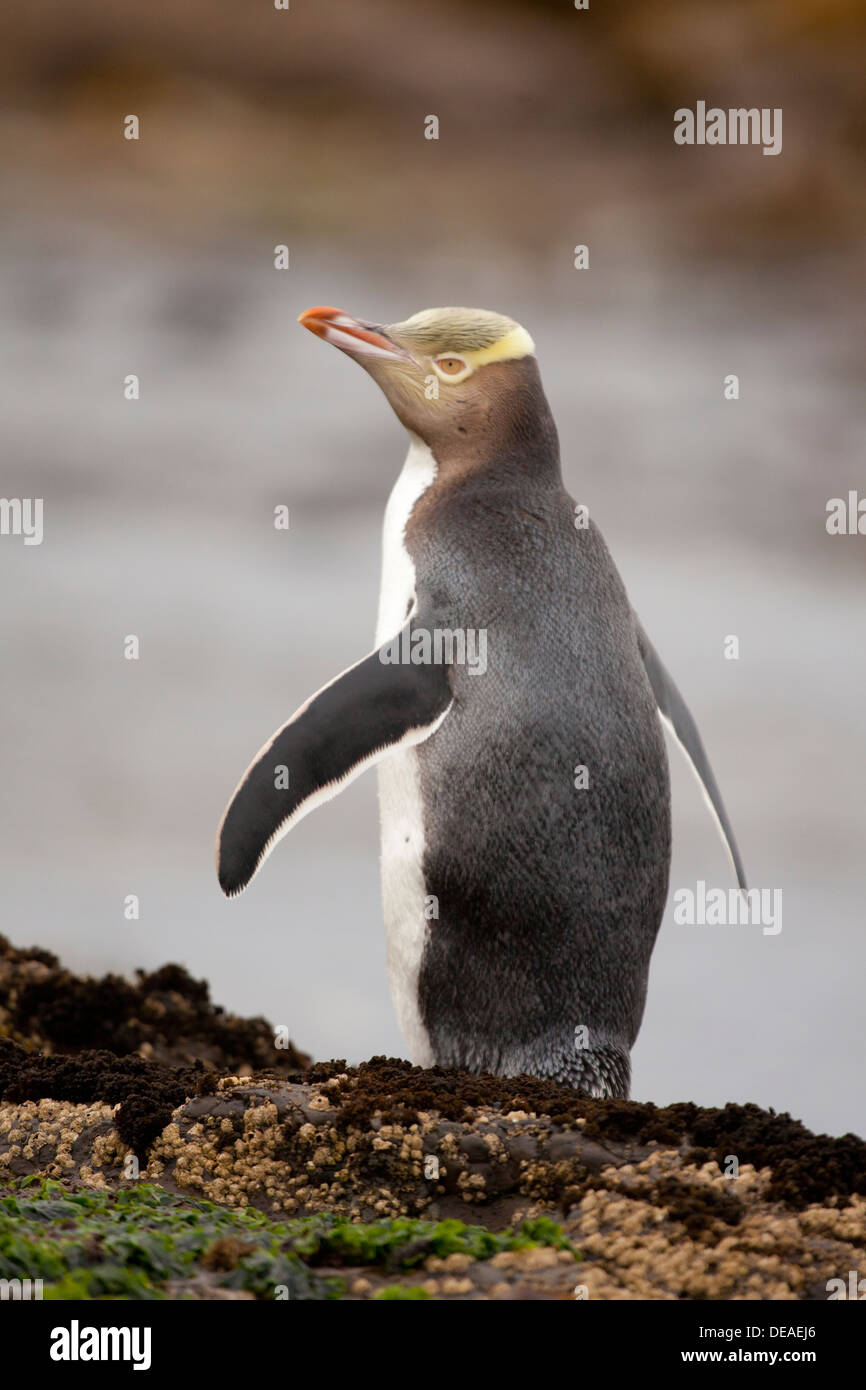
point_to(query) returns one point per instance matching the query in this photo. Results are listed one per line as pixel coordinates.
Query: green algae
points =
(403, 1292)
(137, 1242)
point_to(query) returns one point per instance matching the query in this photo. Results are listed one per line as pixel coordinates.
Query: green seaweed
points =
(133, 1242)
(404, 1292)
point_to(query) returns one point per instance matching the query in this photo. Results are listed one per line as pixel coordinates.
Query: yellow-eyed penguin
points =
(522, 902)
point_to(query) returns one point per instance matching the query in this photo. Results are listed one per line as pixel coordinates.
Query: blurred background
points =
(261, 127)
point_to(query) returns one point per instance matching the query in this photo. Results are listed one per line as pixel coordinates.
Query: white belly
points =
(400, 809)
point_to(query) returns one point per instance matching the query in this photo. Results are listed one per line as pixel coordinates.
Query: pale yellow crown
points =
(478, 335)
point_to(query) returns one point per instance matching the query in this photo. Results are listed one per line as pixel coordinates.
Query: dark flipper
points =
(675, 713)
(344, 728)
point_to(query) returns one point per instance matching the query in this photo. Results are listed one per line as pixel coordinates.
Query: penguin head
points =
(448, 374)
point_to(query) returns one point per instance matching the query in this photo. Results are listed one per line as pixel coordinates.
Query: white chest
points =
(398, 573)
(400, 806)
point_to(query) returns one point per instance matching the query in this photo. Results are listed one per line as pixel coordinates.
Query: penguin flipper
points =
(676, 715)
(370, 709)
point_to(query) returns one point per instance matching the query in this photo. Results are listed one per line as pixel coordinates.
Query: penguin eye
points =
(451, 366)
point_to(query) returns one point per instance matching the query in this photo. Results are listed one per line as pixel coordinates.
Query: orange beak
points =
(351, 335)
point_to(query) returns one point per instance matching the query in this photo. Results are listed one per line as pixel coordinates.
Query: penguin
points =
(514, 708)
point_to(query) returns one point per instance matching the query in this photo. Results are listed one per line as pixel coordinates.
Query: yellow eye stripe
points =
(515, 344)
